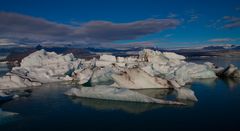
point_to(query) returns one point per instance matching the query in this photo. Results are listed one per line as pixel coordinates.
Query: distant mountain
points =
(209, 47)
(17, 53)
(220, 47)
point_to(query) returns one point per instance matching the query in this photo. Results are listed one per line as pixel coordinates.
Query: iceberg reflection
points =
(134, 107)
(130, 107)
(6, 117)
(232, 83)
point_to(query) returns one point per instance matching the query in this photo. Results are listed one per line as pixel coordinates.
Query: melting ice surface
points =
(49, 109)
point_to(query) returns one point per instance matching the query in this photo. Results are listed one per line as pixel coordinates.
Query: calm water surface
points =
(49, 109)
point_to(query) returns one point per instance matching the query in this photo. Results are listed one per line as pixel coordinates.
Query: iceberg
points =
(149, 70)
(213, 67)
(230, 72)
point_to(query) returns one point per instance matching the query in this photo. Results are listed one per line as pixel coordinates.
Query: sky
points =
(162, 23)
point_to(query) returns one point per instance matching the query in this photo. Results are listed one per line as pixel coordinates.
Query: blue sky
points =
(193, 22)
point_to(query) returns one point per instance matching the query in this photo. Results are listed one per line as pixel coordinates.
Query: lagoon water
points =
(3, 69)
(48, 109)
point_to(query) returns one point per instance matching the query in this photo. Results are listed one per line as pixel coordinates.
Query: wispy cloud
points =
(191, 15)
(231, 22)
(226, 22)
(108, 31)
(168, 35)
(222, 40)
(144, 44)
(19, 26)
(237, 8)
(193, 18)
(172, 15)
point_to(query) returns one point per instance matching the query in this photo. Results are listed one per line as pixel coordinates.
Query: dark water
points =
(49, 109)
(3, 69)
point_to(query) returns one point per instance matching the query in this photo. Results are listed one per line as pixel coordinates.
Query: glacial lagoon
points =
(47, 108)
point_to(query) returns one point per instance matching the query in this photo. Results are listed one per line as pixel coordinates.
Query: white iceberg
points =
(150, 69)
(231, 71)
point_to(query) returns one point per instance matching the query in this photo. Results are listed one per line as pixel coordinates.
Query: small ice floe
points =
(229, 72)
(116, 94)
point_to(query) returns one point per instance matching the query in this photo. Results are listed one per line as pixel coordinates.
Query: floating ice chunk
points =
(117, 94)
(213, 67)
(231, 71)
(236, 74)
